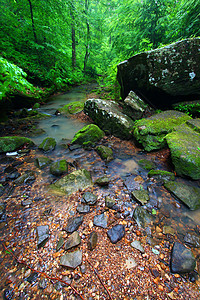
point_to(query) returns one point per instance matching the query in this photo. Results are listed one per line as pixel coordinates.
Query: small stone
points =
(168, 230)
(103, 181)
(72, 259)
(73, 241)
(101, 220)
(141, 196)
(42, 235)
(73, 224)
(192, 239)
(105, 153)
(32, 278)
(130, 263)
(83, 269)
(48, 144)
(59, 168)
(92, 242)
(82, 208)
(26, 202)
(89, 198)
(116, 233)
(109, 202)
(182, 259)
(137, 245)
(60, 243)
(42, 162)
(42, 283)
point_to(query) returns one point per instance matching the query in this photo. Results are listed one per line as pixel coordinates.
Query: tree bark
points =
(32, 19)
(87, 45)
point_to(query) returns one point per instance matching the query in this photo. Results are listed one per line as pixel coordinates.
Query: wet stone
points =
(59, 168)
(48, 144)
(89, 198)
(42, 283)
(137, 245)
(141, 196)
(73, 241)
(116, 233)
(109, 202)
(33, 277)
(182, 259)
(42, 162)
(142, 217)
(26, 202)
(27, 178)
(60, 243)
(192, 239)
(92, 241)
(146, 164)
(101, 220)
(73, 224)
(72, 259)
(42, 235)
(103, 181)
(82, 208)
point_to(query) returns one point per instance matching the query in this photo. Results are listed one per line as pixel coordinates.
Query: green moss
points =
(58, 168)
(72, 108)
(89, 134)
(161, 175)
(146, 164)
(12, 143)
(106, 153)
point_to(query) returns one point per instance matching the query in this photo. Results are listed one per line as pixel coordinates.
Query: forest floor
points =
(109, 271)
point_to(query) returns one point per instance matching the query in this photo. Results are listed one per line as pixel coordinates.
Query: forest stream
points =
(137, 266)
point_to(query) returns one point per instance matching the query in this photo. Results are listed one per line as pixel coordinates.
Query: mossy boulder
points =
(47, 144)
(151, 132)
(72, 108)
(184, 145)
(141, 196)
(59, 168)
(186, 193)
(88, 135)
(109, 117)
(105, 152)
(42, 162)
(12, 143)
(73, 182)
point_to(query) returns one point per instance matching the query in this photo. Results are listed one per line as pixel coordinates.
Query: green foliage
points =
(192, 108)
(12, 79)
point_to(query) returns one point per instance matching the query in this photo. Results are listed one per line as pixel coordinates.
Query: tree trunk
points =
(73, 32)
(32, 19)
(87, 45)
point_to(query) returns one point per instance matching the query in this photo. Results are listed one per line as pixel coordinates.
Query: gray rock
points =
(116, 233)
(89, 198)
(42, 235)
(187, 194)
(42, 283)
(161, 176)
(26, 178)
(73, 224)
(137, 245)
(141, 196)
(134, 106)
(182, 259)
(83, 208)
(60, 243)
(48, 144)
(105, 152)
(73, 241)
(109, 117)
(109, 202)
(73, 182)
(142, 217)
(26, 202)
(43, 162)
(101, 220)
(72, 259)
(163, 76)
(192, 239)
(92, 241)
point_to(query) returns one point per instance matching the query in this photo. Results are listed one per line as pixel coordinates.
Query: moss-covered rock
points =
(12, 143)
(105, 152)
(47, 144)
(184, 144)
(109, 117)
(42, 162)
(187, 194)
(161, 175)
(151, 132)
(72, 182)
(72, 108)
(59, 168)
(146, 164)
(141, 196)
(88, 135)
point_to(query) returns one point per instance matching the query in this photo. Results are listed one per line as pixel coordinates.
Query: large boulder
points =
(184, 144)
(73, 182)
(109, 117)
(151, 132)
(88, 135)
(163, 76)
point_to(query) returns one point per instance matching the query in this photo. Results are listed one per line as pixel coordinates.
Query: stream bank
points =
(128, 272)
